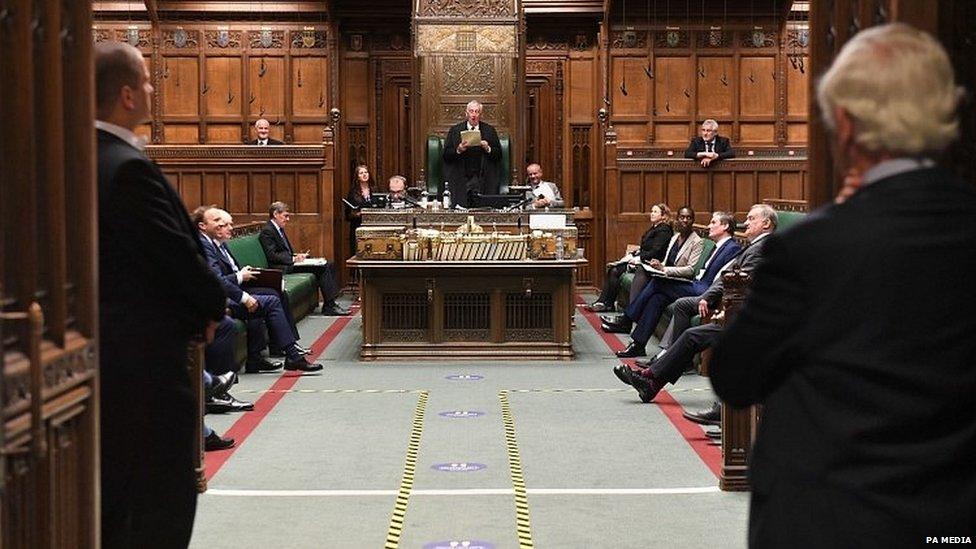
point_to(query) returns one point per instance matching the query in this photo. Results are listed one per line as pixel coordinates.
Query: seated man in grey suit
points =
(667, 366)
(546, 193)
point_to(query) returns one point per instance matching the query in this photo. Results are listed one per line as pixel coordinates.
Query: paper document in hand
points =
(312, 262)
(659, 273)
(471, 137)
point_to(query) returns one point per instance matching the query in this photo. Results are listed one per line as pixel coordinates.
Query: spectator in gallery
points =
(263, 130)
(710, 147)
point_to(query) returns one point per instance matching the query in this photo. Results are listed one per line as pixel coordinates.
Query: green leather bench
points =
(435, 163)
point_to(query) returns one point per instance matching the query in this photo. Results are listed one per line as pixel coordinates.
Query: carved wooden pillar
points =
(738, 425)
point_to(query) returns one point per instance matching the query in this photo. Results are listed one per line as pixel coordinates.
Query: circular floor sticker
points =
(464, 377)
(458, 467)
(459, 544)
(461, 414)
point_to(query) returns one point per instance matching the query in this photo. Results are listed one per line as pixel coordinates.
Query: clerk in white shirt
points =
(546, 193)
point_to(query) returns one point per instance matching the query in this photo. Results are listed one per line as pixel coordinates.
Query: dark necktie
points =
(285, 238)
(673, 254)
(708, 146)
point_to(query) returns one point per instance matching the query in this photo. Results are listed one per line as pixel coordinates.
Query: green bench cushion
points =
(247, 250)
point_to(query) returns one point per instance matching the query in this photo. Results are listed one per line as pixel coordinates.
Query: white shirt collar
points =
(273, 222)
(722, 241)
(895, 166)
(138, 143)
(760, 237)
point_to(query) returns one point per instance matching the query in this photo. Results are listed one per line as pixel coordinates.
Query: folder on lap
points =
(266, 278)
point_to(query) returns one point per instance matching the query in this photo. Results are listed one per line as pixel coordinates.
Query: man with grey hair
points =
(868, 429)
(155, 293)
(397, 188)
(710, 147)
(280, 254)
(472, 168)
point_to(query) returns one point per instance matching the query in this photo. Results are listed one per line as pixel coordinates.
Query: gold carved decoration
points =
(469, 75)
(308, 39)
(466, 38)
(467, 8)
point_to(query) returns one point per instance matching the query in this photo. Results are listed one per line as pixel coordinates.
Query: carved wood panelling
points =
(443, 39)
(212, 82)
(468, 75)
(467, 8)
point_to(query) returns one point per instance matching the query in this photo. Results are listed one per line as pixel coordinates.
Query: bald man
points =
(263, 130)
(155, 292)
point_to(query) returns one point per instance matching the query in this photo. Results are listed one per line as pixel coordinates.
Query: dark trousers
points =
(219, 354)
(326, 279)
(148, 485)
(653, 300)
(611, 284)
(272, 314)
(680, 354)
(285, 307)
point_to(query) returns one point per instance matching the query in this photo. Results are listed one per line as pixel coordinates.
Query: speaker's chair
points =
(435, 164)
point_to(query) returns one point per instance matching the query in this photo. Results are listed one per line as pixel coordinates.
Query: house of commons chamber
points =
(487, 274)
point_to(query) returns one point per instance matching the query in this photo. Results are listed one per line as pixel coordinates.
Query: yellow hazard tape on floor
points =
(409, 469)
(522, 526)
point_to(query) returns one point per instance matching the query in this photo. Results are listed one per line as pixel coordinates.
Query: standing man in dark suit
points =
(155, 293)
(710, 147)
(868, 431)
(472, 169)
(263, 130)
(278, 250)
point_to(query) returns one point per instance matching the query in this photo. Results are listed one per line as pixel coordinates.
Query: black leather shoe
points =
(334, 310)
(712, 416)
(616, 327)
(215, 442)
(240, 405)
(262, 364)
(218, 405)
(622, 371)
(302, 365)
(598, 307)
(647, 389)
(221, 383)
(611, 319)
(632, 351)
(714, 435)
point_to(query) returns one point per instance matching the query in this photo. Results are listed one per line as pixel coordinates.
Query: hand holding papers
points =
(471, 138)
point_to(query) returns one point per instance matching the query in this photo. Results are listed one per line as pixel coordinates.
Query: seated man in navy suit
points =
(661, 292)
(710, 147)
(684, 342)
(278, 250)
(215, 232)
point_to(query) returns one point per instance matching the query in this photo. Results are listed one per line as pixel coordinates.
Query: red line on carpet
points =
(692, 432)
(247, 423)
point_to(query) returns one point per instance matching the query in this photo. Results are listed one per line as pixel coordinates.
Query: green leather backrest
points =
(247, 250)
(786, 220)
(706, 250)
(435, 163)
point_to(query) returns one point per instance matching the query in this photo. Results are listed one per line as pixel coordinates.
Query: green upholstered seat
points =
(435, 164)
(788, 219)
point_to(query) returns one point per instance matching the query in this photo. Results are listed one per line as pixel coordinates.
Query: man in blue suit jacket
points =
(215, 232)
(661, 292)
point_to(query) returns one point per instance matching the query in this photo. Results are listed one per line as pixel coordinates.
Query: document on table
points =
(661, 274)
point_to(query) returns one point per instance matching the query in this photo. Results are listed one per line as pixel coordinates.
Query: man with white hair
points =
(263, 130)
(472, 168)
(710, 147)
(868, 429)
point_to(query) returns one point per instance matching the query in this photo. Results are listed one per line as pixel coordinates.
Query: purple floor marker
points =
(461, 414)
(465, 377)
(459, 544)
(458, 467)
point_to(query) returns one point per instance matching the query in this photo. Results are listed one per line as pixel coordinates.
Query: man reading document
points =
(472, 157)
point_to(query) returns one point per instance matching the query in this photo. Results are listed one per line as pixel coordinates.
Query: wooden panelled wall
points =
(48, 297)
(214, 80)
(665, 81)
